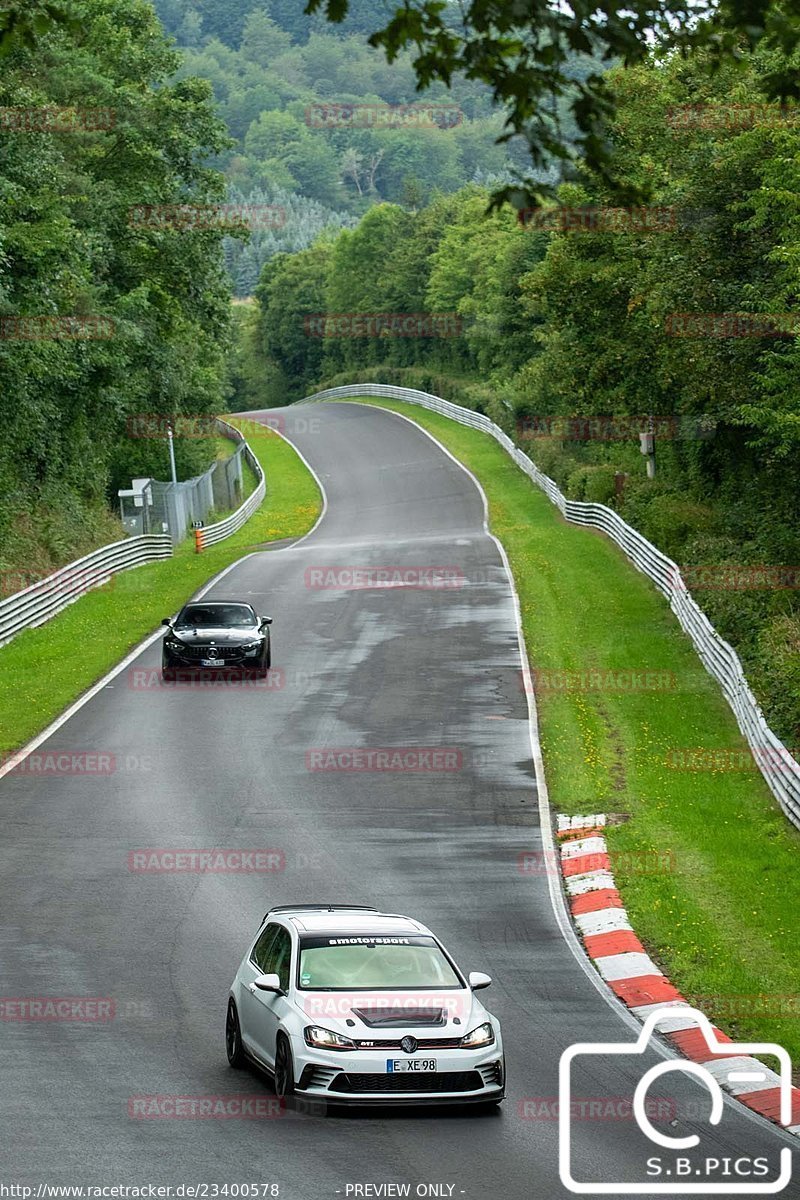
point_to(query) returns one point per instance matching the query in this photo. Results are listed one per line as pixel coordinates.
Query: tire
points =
(168, 674)
(284, 1069)
(268, 655)
(233, 1038)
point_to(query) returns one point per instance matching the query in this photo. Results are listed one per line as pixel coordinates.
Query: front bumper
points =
(361, 1076)
(229, 659)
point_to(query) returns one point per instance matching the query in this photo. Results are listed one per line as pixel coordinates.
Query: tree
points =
(72, 249)
(523, 51)
(263, 39)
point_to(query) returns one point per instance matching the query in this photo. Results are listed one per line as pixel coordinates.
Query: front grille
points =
(394, 1043)
(430, 1081)
(223, 652)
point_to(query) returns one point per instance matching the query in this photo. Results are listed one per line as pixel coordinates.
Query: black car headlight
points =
(326, 1039)
(173, 644)
(482, 1035)
(252, 648)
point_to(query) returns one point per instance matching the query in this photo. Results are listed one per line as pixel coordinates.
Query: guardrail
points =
(210, 534)
(43, 599)
(779, 768)
(47, 597)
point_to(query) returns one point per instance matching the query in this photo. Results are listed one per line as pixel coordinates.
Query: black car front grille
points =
(428, 1081)
(223, 653)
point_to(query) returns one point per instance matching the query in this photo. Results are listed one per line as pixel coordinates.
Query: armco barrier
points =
(776, 764)
(43, 599)
(223, 529)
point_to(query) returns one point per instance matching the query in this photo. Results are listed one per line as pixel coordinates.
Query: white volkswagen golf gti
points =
(356, 1006)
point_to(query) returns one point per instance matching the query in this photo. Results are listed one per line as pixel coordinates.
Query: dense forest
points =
(68, 248)
(272, 68)
(551, 321)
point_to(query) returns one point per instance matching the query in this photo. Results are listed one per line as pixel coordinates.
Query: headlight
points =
(326, 1039)
(173, 644)
(251, 648)
(483, 1035)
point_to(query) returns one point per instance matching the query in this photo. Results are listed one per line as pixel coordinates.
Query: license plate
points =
(398, 1065)
(212, 662)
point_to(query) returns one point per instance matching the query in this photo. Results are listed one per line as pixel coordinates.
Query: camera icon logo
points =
(724, 1065)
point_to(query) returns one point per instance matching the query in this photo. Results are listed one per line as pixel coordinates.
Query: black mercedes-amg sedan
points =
(210, 635)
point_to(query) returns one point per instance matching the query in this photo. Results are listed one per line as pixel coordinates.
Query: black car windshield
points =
(349, 963)
(216, 616)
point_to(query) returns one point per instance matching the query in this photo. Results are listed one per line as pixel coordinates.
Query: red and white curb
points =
(621, 959)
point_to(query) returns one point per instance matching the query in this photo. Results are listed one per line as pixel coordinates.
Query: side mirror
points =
(268, 983)
(265, 620)
(167, 621)
(478, 980)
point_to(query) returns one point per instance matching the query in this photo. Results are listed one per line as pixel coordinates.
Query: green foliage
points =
(69, 249)
(528, 53)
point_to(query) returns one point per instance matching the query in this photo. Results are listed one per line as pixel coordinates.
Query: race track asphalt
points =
(201, 767)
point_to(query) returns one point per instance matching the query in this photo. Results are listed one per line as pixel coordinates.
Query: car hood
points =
(219, 636)
(392, 1014)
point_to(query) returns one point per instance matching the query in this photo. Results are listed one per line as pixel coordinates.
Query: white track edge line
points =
(556, 895)
(558, 902)
(20, 755)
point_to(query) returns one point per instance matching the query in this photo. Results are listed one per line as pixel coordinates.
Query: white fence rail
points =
(47, 597)
(43, 599)
(779, 768)
(229, 525)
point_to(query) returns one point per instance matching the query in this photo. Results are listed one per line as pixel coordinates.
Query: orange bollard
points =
(198, 541)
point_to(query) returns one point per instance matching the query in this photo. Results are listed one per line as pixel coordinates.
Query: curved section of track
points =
(197, 768)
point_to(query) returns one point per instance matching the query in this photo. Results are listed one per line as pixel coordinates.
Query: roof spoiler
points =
(290, 908)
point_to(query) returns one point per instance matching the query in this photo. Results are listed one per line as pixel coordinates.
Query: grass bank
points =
(721, 912)
(43, 670)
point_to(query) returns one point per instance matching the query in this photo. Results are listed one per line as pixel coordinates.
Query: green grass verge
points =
(721, 914)
(43, 670)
